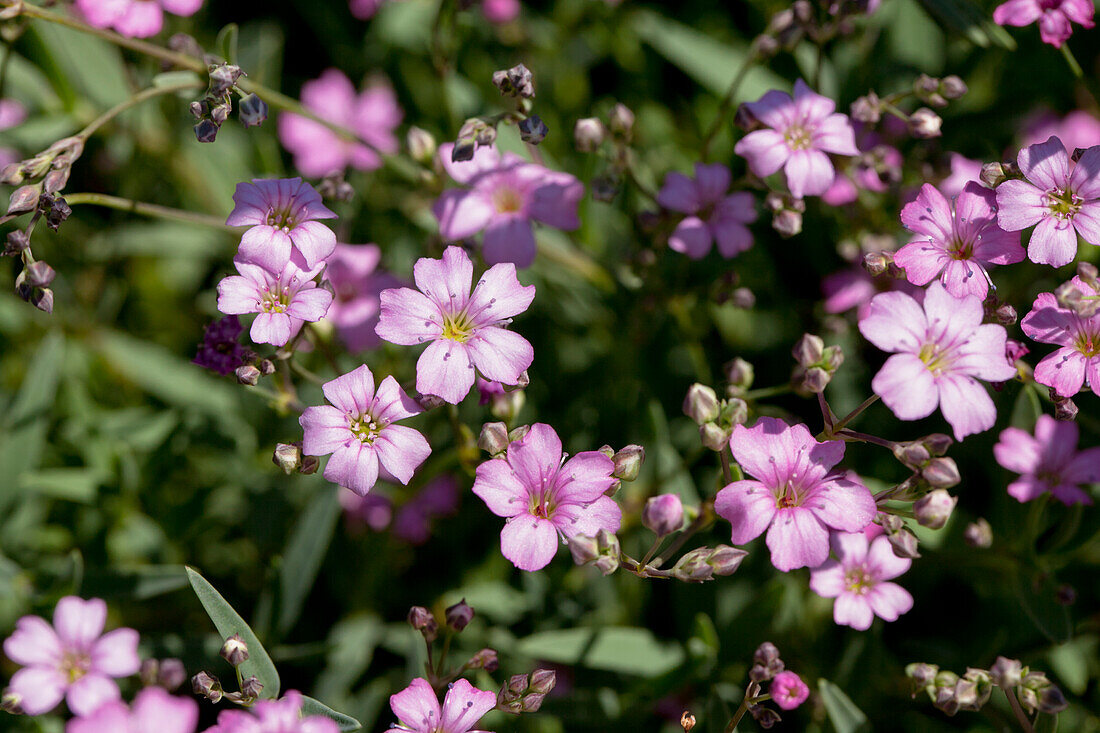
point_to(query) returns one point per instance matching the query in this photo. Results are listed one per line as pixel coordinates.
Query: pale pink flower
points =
(73, 659)
(358, 430)
(940, 350)
(12, 113)
(1077, 362)
(788, 690)
(859, 581)
(1048, 462)
(1058, 203)
(357, 282)
(500, 11)
(274, 716)
(417, 708)
(464, 331)
(373, 115)
(802, 130)
(797, 495)
(283, 301)
(713, 215)
(153, 710)
(283, 218)
(963, 171)
(504, 195)
(959, 239)
(364, 9)
(543, 496)
(134, 18)
(1054, 17)
(373, 510)
(853, 287)
(1078, 129)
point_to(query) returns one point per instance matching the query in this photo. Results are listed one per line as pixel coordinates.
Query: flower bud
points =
(588, 134)
(16, 242)
(715, 437)
(607, 545)
(206, 131)
(459, 615)
(531, 703)
(809, 350)
(934, 509)
(811, 381)
(787, 223)
(952, 87)
(251, 687)
(208, 686)
(248, 374)
(533, 130)
(1052, 701)
(924, 124)
(485, 659)
(966, 695)
(922, 674)
(621, 122)
(904, 544)
(1006, 673)
(543, 681)
(978, 534)
(740, 375)
(942, 473)
(867, 109)
(701, 404)
(877, 263)
(726, 560)
(42, 299)
(517, 685)
(38, 274)
(517, 81)
(1089, 274)
(54, 181)
(12, 174)
(309, 466)
(913, 454)
(663, 514)
(765, 717)
(421, 145)
(288, 457)
(745, 119)
(11, 702)
(693, 566)
(518, 432)
(493, 438)
(234, 650)
(735, 411)
(993, 174)
(1065, 410)
(584, 549)
(628, 462)
(463, 150)
(23, 199)
(252, 111)
(687, 721)
(423, 621)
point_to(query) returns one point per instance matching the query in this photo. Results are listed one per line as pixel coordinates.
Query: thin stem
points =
(852, 435)
(765, 392)
(1021, 717)
(826, 412)
(743, 707)
(153, 210)
(727, 474)
(651, 552)
(133, 101)
(1071, 61)
(849, 417)
(304, 373)
(727, 101)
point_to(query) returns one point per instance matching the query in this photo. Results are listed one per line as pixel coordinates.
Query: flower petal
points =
(529, 542)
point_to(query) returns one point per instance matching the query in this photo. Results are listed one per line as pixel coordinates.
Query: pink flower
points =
(283, 301)
(963, 171)
(364, 9)
(543, 497)
(274, 716)
(357, 282)
(854, 287)
(939, 351)
(803, 129)
(857, 580)
(153, 710)
(12, 113)
(73, 659)
(373, 115)
(1078, 129)
(373, 510)
(134, 18)
(465, 330)
(1054, 17)
(865, 172)
(500, 11)
(438, 498)
(1058, 203)
(797, 496)
(1049, 461)
(712, 215)
(959, 239)
(417, 708)
(504, 195)
(359, 431)
(1078, 359)
(282, 214)
(788, 690)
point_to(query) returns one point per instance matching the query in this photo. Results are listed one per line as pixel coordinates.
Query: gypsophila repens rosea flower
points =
(72, 659)
(802, 129)
(154, 709)
(358, 430)
(544, 497)
(282, 301)
(795, 493)
(1054, 17)
(788, 690)
(1078, 129)
(940, 349)
(417, 708)
(274, 716)
(1048, 461)
(357, 282)
(963, 171)
(283, 219)
(859, 580)
(712, 214)
(464, 330)
(134, 18)
(1077, 361)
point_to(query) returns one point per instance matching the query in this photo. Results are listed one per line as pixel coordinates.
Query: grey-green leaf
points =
(843, 713)
(314, 707)
(304, 553)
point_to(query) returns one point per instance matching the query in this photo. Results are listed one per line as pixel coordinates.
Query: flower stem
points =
(727, 474)
(1071, 61)
(1025, 724)
(133, 101)
(153, 210)
(727, 101)
(743, 708)
(765, 392)
(843, 422)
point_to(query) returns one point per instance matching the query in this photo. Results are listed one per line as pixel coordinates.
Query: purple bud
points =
(248, 375)
(922, 674)
(714, 436)
(621, 122)
(978, 534)
(288, 457)
(867, 109)
(904, 543)
(726, 560)
(787, 223)
(171, 674)
(485, 659)
(588, 134)
(459, 615)
(1006, 673)
(234, 650)
(740, 375)
(934, 509)
(663, 514)
(518, 684)
(208, 686)
(531, 703)
(924, 124)
(423, 621)
(23, 199)
(251, 687)
(583, 548)
(39, 274)
(765, 717)
(809, 350)
(533, 130)
(206, 131)
(421, 144)
(701, 404)
(252, 111)
(494, 438)
(941, 473)
(223, 77)
(543, 681)
(628, 462)
(11, 702)
(953, 87)
(993, 174)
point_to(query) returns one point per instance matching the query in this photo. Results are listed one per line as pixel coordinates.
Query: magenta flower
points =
(543, 496)
(858, 580)
(959, 240)
(359, 431)
(357, 283)
(465, 330)
(1078, 129)
(364, 9)
(500, 11)
(274, 716)
(438, 498)
(1054, 17)
(939, 351)
(282, 214)
(282, 302)
(12, 114)
(865, 172)
(1058, 203)
(504, 195)
(153, 710)
(373, 115)
(73, 659)
(803, 129)
(797, 496)
(853, 287)
(417, 708)
(1048, 462)
(712, 215)
(963, 171)
(1077, 362)
(134, 18)
(788, 690)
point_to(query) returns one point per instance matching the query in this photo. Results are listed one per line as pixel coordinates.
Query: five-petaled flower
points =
(465, 331)
(134, 18)
(713, 215)
(153, 710)
(859, 581)
(358, 430)
(283, 218)
(542, 496)
(274, 716)
(797, 495)
(283, 301)
(1054, 17)
(1078, 359)
(1048, 462)
(417, 708)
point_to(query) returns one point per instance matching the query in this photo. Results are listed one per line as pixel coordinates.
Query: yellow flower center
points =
(365, 428)
(457, 327)
(507, 200)
(858, 581)
(936, 359)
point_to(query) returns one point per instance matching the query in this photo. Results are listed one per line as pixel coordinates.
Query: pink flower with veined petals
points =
(788, 690)
(1048, 462)
(940, 350)
(283, 301)
(357, 282)
(464, 331)
(959, 239)
(859, 581)
(134, 18)
(1078, 359)
(417, 708)
(274, 716)
(283, 215)
(796, 495)
(373, 115)
(543, 497)
(803, 129)
(358, 430)
(504, 195)
(73, 659)
(1054, 17)
(713, 216)
(963, 171)
(1058, 203)
(153, 710)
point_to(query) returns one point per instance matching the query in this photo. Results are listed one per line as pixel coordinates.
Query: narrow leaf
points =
(843, 713)
(304, 553)
(314, 707)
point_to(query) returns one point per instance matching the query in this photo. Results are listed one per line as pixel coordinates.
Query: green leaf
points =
(229, 622)
(1026, 410)
(615, 649)
(72, 484)
(226, 43)
(842, 712)
(40, 383)
(1070, 661)
(967, 19)
(304, 553)
(313, 707)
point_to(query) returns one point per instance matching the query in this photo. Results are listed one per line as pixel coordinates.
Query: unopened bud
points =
(252, 111)
(809, 350)
(787, 223)
(16, 242)
(621, 122)
(913, 454)
(423, 621)
(978, 534)
(288, 457)
(54, 181)
(421, 144)
(993, 174)
(1065, 410)
(485, 659)
(251, 687)
(714, 436)
(12, 174)
(533, 130)
(42, 299)
(922, 674)
(459, 615)
(309, 466)
(765, 717)
(206, 131)
(952, 87)
(493, 438)
(234, 650)
(463, 150)
(588, 134)
(531, 703)
(208, 686)
(726, 560)
(740, 375)
(904, 543)
(701, 404)
(924, 124)
(663, 514)
(745, 119)
(877, 263)
(1089, 274)
(628, 462)
(811, 381)
(937, 443)
(934, 509)
(543, 681)
(38, 274)
(1006, 673)
(941, 473)
(607, 546)
(867, 109)
(687, 721)
(11, 702)
(223, 77)
(248, 374)
(1052, 701)
(584, 549)
(23, 199)
(693, 567)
